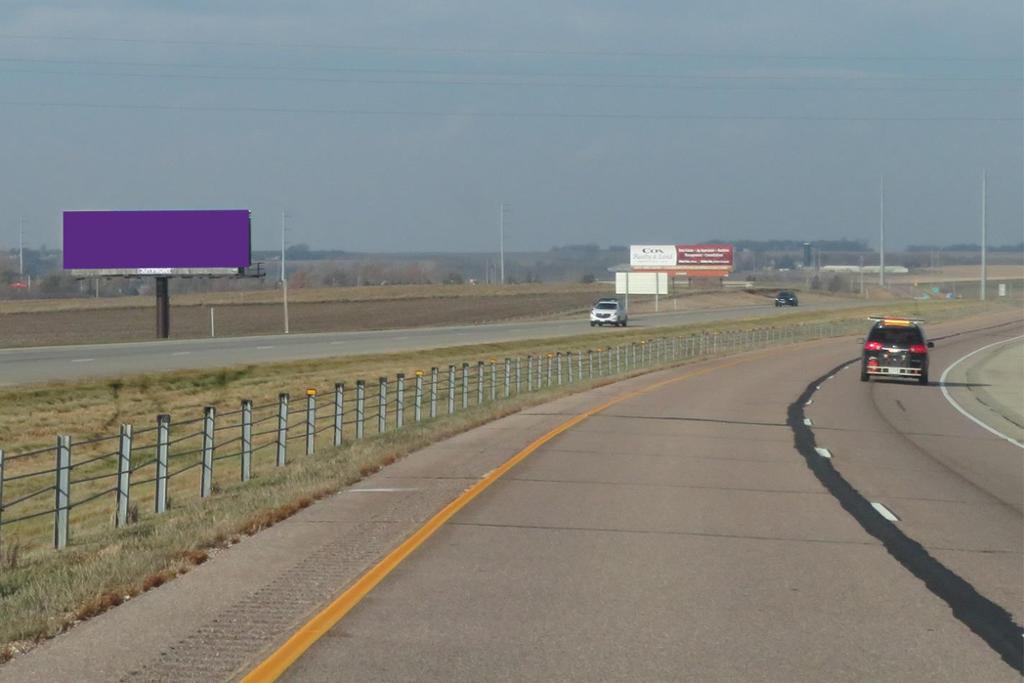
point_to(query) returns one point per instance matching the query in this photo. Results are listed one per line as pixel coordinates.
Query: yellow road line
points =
(271, 668)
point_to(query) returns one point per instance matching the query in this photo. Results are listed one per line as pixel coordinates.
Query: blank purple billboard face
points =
(157, 239)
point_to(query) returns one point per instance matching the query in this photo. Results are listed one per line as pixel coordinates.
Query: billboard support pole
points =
(163, 308)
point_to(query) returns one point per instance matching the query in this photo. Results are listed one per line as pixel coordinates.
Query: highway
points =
(64, 363)
(759, 517)
(680, 535)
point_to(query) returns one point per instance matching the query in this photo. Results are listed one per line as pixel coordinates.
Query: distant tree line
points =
(1005, 248)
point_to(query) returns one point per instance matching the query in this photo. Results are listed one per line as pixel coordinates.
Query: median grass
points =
(43, 592)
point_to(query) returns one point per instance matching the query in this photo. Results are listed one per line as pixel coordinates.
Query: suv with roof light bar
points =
(895, 348)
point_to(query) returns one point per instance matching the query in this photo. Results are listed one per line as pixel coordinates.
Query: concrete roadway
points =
(693, 533)
(687, 533)
(62, 363)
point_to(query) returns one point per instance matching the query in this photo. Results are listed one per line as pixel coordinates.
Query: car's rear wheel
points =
(592, 323)
(923, 379)
(864, 375)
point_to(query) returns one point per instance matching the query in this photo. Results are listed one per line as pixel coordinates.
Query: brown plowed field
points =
(103, 325)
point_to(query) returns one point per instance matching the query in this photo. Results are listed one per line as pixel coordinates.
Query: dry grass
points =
(43, 592)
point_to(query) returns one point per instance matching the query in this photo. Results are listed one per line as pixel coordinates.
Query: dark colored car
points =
(895, 347)
(786, 299)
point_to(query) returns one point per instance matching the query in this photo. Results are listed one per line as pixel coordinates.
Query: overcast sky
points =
(401, 126)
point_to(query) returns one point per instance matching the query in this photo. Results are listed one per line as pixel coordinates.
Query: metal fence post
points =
(282, 429)
(417, 402)
(451, 389)
(433, 392)
(163, 438)
(124, 474)
(558, 368)
(600, 364)
(310, 421)
(479, 382)
(508, 377)
(519, 378)
(339, 412)
(360, 408)
(590, 363)
(400, 400)
(579, 366)
(550, 356)
(246, 473)
(465, 385)
(206, 474)
(540, 373)
(529, 373)
(608, 361)
(618, 359)
(1, 490)
(382, 405)
(494, 381)
(62, 491)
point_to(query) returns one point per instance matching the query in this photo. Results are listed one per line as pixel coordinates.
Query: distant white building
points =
(894, 270)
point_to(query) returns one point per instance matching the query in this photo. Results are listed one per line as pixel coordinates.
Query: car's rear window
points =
(896, 336)
(607, 306)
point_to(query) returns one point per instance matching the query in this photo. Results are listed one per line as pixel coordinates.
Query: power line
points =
(513, 51)
(512, 115)
(528, 74)
(503, 83)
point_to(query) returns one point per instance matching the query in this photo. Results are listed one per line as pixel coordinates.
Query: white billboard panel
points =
(641, 283)
(652, 255)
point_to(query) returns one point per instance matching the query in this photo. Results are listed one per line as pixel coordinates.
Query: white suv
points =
(608, 312)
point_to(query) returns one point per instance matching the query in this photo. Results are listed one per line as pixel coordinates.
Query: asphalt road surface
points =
(53, 363)
(688, 529)
(694, 533)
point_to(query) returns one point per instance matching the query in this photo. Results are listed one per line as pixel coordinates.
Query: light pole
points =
(501, 242)
(284, 275)
(984, 236)
(881, 231)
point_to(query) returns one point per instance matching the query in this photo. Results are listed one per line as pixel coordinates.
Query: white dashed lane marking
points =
(82, 360)
(885, 512)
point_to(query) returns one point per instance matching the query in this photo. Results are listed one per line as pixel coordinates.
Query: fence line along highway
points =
(120, 474)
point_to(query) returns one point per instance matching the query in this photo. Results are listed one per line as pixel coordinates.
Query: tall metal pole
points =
(984, 235)
(501, 241)
(881, 230)
(284, 275)
(21, 248)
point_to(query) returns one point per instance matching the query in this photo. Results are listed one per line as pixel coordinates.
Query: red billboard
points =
(717, 255)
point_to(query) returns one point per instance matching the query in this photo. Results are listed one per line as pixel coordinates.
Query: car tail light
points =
(873, 346)
(918, 348)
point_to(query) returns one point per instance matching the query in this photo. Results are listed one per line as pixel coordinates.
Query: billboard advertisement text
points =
(652, 255)
(704, 255)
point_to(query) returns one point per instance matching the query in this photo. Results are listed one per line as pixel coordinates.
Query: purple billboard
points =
(157, 241)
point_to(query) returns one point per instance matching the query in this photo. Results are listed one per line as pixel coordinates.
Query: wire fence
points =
(121, 475)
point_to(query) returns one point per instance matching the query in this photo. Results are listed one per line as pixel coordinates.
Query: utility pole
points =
(881, 230)
(284, 275)
(21, 248)
(501, 241)
(984, 235)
